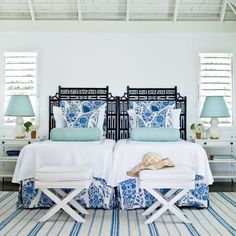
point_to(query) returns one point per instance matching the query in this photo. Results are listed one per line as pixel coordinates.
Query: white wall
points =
(117, 60)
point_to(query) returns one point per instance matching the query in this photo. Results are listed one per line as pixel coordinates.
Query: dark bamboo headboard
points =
(117, 120)
(91, 94)
(149, 94)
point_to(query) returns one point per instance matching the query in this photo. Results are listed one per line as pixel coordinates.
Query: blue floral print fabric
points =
(130, 196)
(99, 195)
(149, 114)
(81, 114)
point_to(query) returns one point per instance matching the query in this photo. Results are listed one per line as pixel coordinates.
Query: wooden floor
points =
(223, 187)
(216, 187)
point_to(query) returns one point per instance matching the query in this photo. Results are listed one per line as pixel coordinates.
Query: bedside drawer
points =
(216, 143)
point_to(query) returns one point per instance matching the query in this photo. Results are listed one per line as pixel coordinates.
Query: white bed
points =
(128, 153)
(97, 153)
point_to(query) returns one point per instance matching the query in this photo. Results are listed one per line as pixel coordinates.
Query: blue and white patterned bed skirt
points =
(99, 195)
(132, 197)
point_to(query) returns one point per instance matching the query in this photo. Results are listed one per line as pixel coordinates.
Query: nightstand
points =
(9, 155)
(222, 157)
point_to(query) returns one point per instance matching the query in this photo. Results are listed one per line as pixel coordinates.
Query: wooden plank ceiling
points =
(118, 10)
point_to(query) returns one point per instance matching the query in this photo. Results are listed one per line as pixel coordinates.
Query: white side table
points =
(8, 162)
(222, 157)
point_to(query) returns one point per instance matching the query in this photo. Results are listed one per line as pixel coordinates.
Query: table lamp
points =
(214, 107)
(19, 106)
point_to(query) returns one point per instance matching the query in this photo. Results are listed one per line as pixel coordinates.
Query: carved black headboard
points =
(149, 94)
(117, 126)
(81, 94)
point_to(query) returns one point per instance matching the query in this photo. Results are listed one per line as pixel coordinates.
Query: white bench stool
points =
(179, 180)
(56, 178)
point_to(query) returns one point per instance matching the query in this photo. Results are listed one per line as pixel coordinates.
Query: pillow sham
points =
(78, 134)
(83, 113)
(155, 134)
(82, 120)
(149, 114)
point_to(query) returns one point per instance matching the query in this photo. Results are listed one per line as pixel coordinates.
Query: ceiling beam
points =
(223, 10)
(79, 10)
(176, 10)
(231, 7)
(233, 2)
(127, 10)
(31, 9)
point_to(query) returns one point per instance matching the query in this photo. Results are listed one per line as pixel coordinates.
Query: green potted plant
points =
(197, 128)
(28, 126)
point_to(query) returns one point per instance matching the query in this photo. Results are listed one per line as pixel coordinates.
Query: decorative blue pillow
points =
(155, 134)
(149, 114)
(70, 134)
(83, 114)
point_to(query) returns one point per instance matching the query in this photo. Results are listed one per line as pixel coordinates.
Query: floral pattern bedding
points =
(81, 114)
(150, 114)
(130, 196)
(99, 195)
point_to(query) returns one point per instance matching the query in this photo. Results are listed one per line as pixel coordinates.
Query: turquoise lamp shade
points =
(214, 106)
(19, 105)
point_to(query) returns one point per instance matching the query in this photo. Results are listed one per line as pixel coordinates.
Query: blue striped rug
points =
(218, 219)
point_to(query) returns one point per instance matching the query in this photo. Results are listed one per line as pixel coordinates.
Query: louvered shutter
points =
(20, 79)
(216, 79)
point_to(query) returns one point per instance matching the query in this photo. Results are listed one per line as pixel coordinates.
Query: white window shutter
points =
(216, 80)
(21, 79)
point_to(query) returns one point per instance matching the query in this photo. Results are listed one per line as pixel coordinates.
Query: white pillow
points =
(101, 116)
(132, 118)
(173, 118)
(57, 113)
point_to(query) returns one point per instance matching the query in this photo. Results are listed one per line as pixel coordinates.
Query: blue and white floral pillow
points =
(83, 114)
(149, 114)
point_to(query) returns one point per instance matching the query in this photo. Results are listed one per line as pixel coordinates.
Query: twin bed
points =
(116, 154)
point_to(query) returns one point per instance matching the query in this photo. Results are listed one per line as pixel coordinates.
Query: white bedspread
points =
(128, 153)
(98, 154)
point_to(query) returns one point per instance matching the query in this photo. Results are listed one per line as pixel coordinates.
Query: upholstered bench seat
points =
(52, 179)
(179, 180)
(168, 174)
(64, 173)
(167, 177)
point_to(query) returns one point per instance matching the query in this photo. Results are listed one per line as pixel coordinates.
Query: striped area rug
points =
(218, 219)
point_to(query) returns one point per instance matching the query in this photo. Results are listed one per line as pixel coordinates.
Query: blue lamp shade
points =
(214, 106)
(19, 105)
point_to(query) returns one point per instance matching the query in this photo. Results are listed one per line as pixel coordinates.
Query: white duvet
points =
(128, 153)
(98, 154)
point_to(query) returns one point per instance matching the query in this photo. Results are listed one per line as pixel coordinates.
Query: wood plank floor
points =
(216, 187)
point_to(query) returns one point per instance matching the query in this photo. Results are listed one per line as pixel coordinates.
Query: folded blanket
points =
(151, 161)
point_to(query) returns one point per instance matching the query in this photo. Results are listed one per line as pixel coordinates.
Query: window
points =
(216, 80)
(20, 79)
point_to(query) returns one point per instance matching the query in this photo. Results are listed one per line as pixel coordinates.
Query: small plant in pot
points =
(197, 129)
(28, 125)
(30, 128)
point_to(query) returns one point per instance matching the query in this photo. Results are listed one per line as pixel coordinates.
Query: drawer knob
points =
(29, 142)
(3, 142)
(205, 143)
(232, 143)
